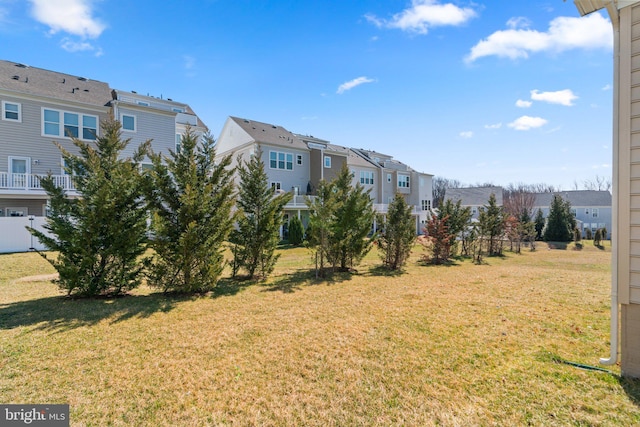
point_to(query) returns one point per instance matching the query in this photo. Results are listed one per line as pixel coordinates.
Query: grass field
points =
(449, 345)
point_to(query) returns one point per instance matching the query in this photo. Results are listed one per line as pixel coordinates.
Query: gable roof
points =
(576, 198)
(474, 196)
(269, 134)
(22, 79)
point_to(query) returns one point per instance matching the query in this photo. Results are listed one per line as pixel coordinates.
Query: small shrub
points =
(296, 231)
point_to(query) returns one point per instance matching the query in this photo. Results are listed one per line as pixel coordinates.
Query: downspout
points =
(613, 350)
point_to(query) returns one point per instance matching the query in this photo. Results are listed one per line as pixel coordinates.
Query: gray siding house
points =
(474, 197)
(592, 209)
(297, 163)
(40, 107)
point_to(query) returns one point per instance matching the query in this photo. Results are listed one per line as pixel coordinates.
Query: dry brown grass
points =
(453, 345)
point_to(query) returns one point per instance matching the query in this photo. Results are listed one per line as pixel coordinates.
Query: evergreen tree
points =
(492, 225)
(458, 219)
(100, 236)
(560, 221)
(296, 231)
(539, 224)
(190, 196)
(259, 218)
(320, 232)
(353, 219)
(398, 234)
(440, 239)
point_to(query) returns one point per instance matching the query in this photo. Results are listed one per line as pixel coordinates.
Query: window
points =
(278, 160)
(128, 122)
(595, 212)
(178, 143)
(403, 181)
(586, 212)
(17, 211)
(388, 177)
(143, 103)
(89, 127)
(276, 186)
(11, 111)
(366, 178)
(51, 120)
(74, 125)
(177, 110)
(299, 159)
(574, 212)
(327, 161)
(474, 210)
(426, 205)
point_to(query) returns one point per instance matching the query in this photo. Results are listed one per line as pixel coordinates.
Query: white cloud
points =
(424, 14)
(523, 104)
(74, 17)
(564, 33)
(607, 87)
(562, 97)
(493, 126)
(74, 46)
(527, 123)
(518, 22)
(353, 83)
(466, 134)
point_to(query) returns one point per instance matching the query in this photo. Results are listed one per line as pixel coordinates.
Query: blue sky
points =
(494, 91)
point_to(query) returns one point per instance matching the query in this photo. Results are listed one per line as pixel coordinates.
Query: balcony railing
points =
(31, 182)
(299, 202)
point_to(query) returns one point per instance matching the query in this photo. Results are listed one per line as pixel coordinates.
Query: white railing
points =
(384, 208)
(31, 182)
(299, 202)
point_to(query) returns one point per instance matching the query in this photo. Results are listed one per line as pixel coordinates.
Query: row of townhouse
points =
(592, 209)
(297, 163)
(40, 106)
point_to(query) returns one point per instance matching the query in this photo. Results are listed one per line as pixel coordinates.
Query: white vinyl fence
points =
(14, 237)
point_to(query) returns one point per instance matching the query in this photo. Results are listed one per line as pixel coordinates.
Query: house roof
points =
(576, 198)
(474, 196)
(24, 79)
(270, 134)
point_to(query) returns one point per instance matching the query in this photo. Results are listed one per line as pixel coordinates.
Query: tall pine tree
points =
(191, 198)
(100, 236)
(259, 219)
(398, 234)
(492, 222)
(353, 219)
(560, 221)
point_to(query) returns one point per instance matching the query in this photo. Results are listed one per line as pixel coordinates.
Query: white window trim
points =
(327, 162)
(61, 132)
(389, 177)
(4, 111)
(135, 123)
(143, 103)
(299, 159)
(404, 179)
(276, 185)
(285, 153)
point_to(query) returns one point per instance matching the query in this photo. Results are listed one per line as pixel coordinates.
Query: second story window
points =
(11, 111)
(366, 178)
(128, 122)
(327, 162)
(178, 143)
(299, 159)
(426, 205)
(403, 181)
(70, 125)
(595, 212)
(279, 160)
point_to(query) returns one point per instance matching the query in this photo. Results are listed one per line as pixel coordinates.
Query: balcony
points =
(383, 208)
(28, 183)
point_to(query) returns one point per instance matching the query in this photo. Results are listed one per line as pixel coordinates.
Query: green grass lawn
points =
(450, 345)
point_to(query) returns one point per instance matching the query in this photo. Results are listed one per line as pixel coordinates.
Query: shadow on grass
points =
(631, 386)
(62, 313)
(231, 286)
(290, 283)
